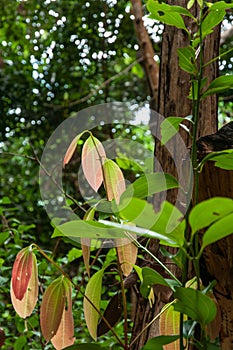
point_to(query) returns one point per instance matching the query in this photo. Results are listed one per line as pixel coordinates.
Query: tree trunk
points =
(174, 88)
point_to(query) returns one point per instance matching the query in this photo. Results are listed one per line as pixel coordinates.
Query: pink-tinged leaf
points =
(72, 147)
(65, 333)
(52, 306)
(93, 294)
(93, 156)
(114, 180)
(25, 306)
(127, 254)
(21, 272)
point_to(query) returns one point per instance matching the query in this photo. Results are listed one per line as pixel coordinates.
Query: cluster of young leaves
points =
(56, 318)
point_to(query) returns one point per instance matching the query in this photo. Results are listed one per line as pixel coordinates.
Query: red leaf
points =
(26, 305)
(52, 307)
(21, 272)
(93, 156)
(65, 333)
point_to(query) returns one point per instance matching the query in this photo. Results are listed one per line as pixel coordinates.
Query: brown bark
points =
(146, 50)
(219, 256)
(174, 86)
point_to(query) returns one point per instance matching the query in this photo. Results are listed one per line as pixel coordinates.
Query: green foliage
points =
(53, 71)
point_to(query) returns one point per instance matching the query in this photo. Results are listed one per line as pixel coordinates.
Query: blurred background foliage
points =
(56, 58)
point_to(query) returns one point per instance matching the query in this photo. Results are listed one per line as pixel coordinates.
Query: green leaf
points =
(87, 229)
(223, 159)
(149, 184)
(219, 84)
(169, 222)
(218, 230)
(170, 127)
(187, 59)
(198, 306)
(52, 306)
(114, 181)
(93, 294)
(158, 342)
(149, 278)
(220, 5)
(213, 18)
(190, 4)
(166, 14)
(207, 212)
(169, 239)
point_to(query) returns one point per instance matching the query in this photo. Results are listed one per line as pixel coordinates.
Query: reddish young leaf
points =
(65, 333)
(21, 272)
(93, 156)
(71, 149)
(114, 180)
(25, 306)
(52, 307)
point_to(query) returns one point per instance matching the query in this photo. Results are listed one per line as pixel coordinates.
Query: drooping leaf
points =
(65, 334)
(93, 157)
(209, 211)
(93, 294)
(72, 147)
(157, 343)
(170, 127)
(219, 84)
(21, 272)
(26, 305)
(112, 314)
(114, 180)
(187, 59)
(169, 323)
(127, 253)
(167, 14)
(52, 307)
(218, 230)
(195, 305)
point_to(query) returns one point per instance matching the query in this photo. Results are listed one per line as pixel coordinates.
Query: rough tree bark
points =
(174, 88)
